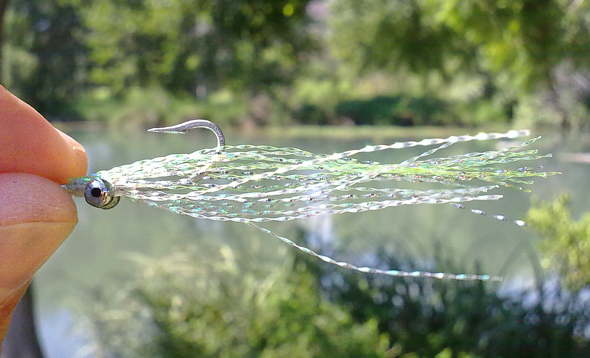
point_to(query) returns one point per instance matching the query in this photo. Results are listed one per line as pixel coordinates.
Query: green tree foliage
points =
(194, 305)
(511, 50)
(426, 318)
(44, 60)
(386, 34)
(566, 242)
(435, 62)
(519, 42)
(186, 45)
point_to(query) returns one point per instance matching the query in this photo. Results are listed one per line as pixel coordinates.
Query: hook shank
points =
(195, 123)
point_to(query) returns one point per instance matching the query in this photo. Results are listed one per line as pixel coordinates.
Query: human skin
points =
(36, 214)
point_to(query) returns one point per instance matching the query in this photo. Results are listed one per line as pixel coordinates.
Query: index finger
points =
(30, 144)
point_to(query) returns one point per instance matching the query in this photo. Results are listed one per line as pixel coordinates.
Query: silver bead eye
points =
(99, 193)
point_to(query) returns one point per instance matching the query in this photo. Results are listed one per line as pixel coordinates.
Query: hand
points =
(36, 214)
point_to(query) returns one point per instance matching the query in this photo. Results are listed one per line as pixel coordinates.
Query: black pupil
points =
(96, 192)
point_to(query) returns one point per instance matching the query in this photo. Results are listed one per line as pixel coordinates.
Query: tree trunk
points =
(3, 6)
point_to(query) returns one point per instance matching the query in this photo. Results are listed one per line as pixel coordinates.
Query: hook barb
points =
(195, 123)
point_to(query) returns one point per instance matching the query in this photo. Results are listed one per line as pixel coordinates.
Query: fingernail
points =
(24, 248)
(76, 147)
(79, 164)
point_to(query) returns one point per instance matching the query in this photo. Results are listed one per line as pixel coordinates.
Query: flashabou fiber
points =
(256, 184)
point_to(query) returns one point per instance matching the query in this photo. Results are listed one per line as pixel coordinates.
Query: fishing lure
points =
(253, 184)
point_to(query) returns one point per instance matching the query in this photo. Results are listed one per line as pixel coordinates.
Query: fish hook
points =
(102, 194)
(183, 128)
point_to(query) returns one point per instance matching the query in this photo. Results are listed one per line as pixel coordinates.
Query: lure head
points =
(100, 194)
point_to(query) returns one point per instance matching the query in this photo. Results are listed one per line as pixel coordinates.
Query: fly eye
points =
(99, 193)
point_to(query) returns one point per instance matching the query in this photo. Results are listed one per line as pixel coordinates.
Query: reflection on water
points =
(56, 335)
(96, 256)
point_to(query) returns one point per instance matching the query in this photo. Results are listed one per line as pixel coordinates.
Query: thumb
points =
(36, 215)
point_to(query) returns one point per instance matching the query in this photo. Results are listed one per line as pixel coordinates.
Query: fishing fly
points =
(253, 184)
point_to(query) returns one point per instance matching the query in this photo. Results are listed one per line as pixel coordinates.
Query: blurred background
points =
(255, 62)
(324, 76)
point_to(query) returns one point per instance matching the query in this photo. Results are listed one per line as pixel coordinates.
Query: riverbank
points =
(313, 131)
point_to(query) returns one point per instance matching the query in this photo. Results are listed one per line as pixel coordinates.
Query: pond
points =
(96, 258)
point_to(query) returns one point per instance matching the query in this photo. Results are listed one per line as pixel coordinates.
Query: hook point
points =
(184, 127)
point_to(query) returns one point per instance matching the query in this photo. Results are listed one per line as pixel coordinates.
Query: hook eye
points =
(100, 194)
